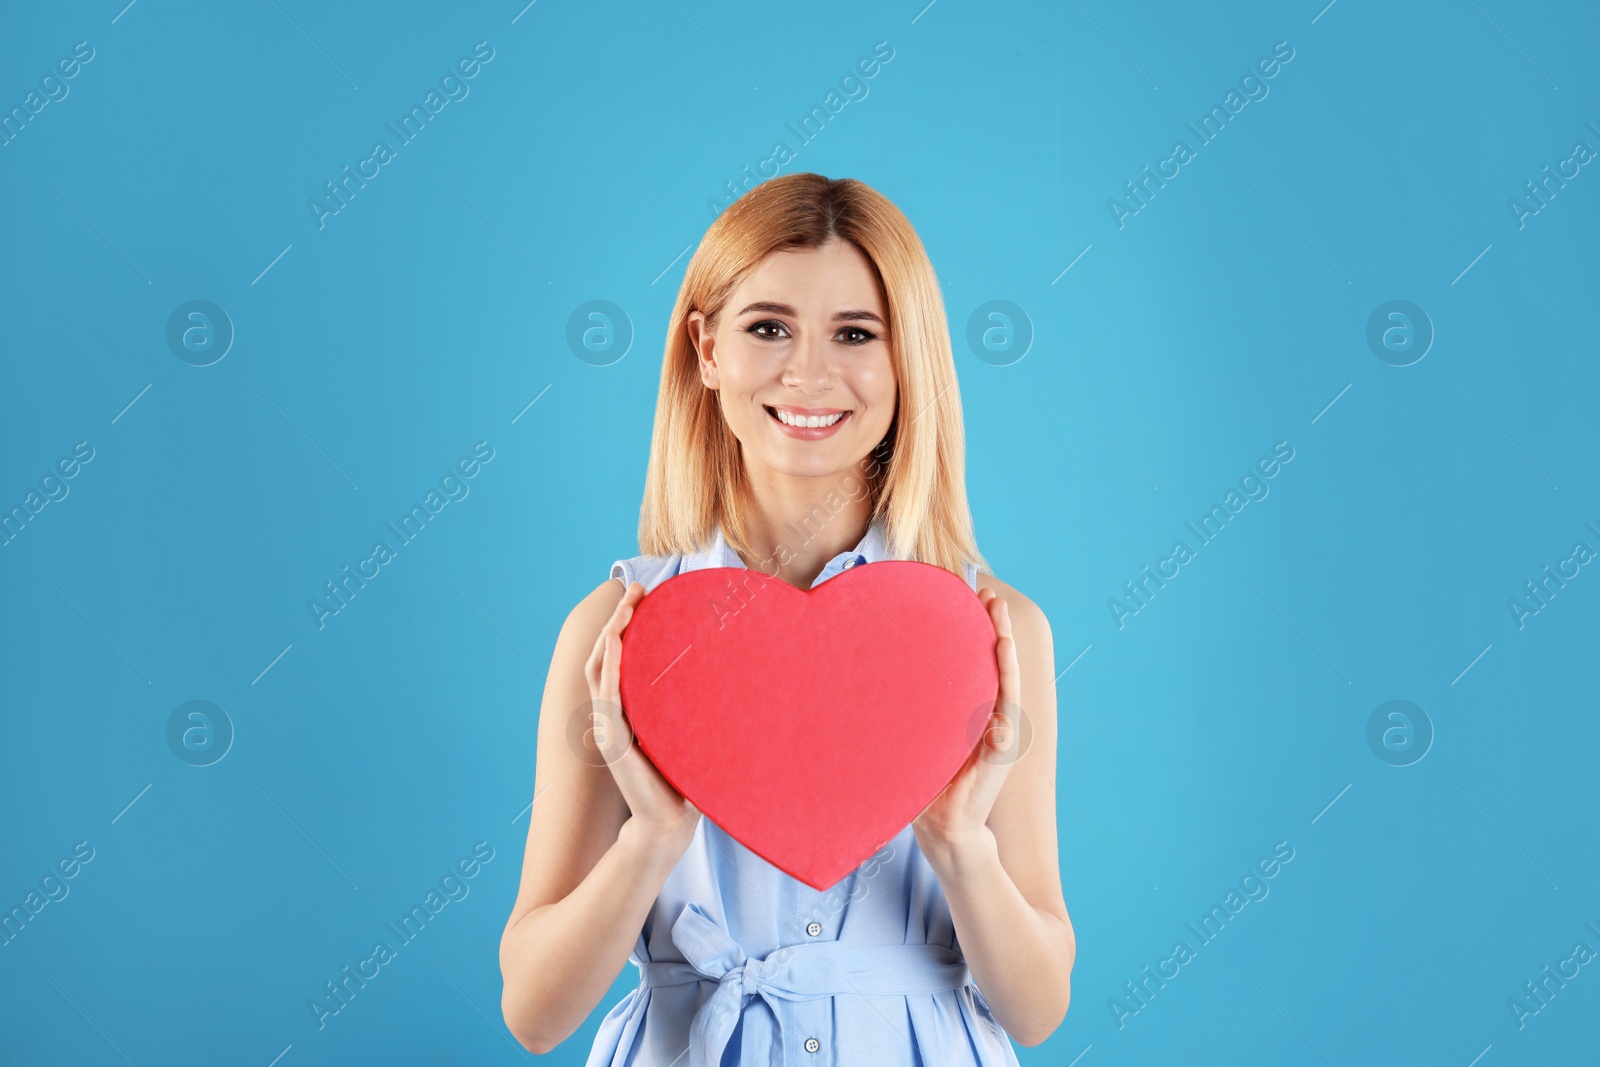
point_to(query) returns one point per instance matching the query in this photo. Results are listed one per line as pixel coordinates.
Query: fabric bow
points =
(796, 972)
(712, 951)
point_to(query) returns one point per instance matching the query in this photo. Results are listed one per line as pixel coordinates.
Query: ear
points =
(704, 341)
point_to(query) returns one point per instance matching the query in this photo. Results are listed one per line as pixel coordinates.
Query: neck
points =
(796, 525)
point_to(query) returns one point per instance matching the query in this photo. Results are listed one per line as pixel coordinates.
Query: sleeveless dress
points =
(742, 964)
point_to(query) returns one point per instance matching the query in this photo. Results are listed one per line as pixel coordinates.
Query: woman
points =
(807, 422)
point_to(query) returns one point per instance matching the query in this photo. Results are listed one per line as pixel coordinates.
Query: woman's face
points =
(800, 361)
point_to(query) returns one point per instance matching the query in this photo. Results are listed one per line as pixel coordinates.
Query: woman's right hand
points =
(656, 808)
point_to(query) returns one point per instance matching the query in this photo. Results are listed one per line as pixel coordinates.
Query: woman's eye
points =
(772, 329)
(762, 328)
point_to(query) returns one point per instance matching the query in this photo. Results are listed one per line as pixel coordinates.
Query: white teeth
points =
(810, 421)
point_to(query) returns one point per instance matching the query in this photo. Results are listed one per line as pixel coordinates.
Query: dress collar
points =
(873, 547)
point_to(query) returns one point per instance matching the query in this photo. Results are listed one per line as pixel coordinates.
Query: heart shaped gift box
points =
(812, 726)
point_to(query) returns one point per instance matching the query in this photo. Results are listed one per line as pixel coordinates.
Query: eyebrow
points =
(785, 309)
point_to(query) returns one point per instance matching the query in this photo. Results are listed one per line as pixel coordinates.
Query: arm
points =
(603, 834)
(1000, 874)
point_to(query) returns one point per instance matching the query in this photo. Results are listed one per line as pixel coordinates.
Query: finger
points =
(591, 666)
(1005, 732)
(997, 734)
(993, 606)
(1005, 652)
(624, 610)
(624, 617)
(610, 668)
(1000, 613)
(606, 730)
(991, 762)
(1005, 643)
(630, 599)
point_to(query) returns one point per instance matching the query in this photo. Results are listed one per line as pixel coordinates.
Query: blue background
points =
(1228, 314)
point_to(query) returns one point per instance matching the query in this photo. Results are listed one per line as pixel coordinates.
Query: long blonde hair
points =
(916, 476)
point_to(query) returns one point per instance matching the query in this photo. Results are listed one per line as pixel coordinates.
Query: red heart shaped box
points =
(812, 726)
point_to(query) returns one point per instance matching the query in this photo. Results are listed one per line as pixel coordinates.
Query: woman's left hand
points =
(957, 817)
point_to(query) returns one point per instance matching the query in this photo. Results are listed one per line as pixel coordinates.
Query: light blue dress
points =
(740, 963)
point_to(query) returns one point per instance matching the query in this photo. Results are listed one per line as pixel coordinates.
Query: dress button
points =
(812, 1044)
(849, 563)
(813, 928)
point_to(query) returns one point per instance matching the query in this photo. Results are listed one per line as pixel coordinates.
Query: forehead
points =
(821, 279)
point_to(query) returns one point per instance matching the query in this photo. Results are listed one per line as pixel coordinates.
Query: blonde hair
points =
(916, 477)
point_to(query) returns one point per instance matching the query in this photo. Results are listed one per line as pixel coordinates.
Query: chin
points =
(809, 461)
(809, 466)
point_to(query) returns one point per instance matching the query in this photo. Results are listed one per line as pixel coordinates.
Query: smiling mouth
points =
(805, 420)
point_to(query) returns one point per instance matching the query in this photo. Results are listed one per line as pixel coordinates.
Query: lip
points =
(806, 433)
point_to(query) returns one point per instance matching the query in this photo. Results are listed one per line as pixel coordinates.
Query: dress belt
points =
(796, 972)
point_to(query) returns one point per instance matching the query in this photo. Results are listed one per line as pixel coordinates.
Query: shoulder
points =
(601, 601)
(1028, 620)
(590, 614)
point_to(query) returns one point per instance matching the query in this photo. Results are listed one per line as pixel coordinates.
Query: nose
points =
(808, 367)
